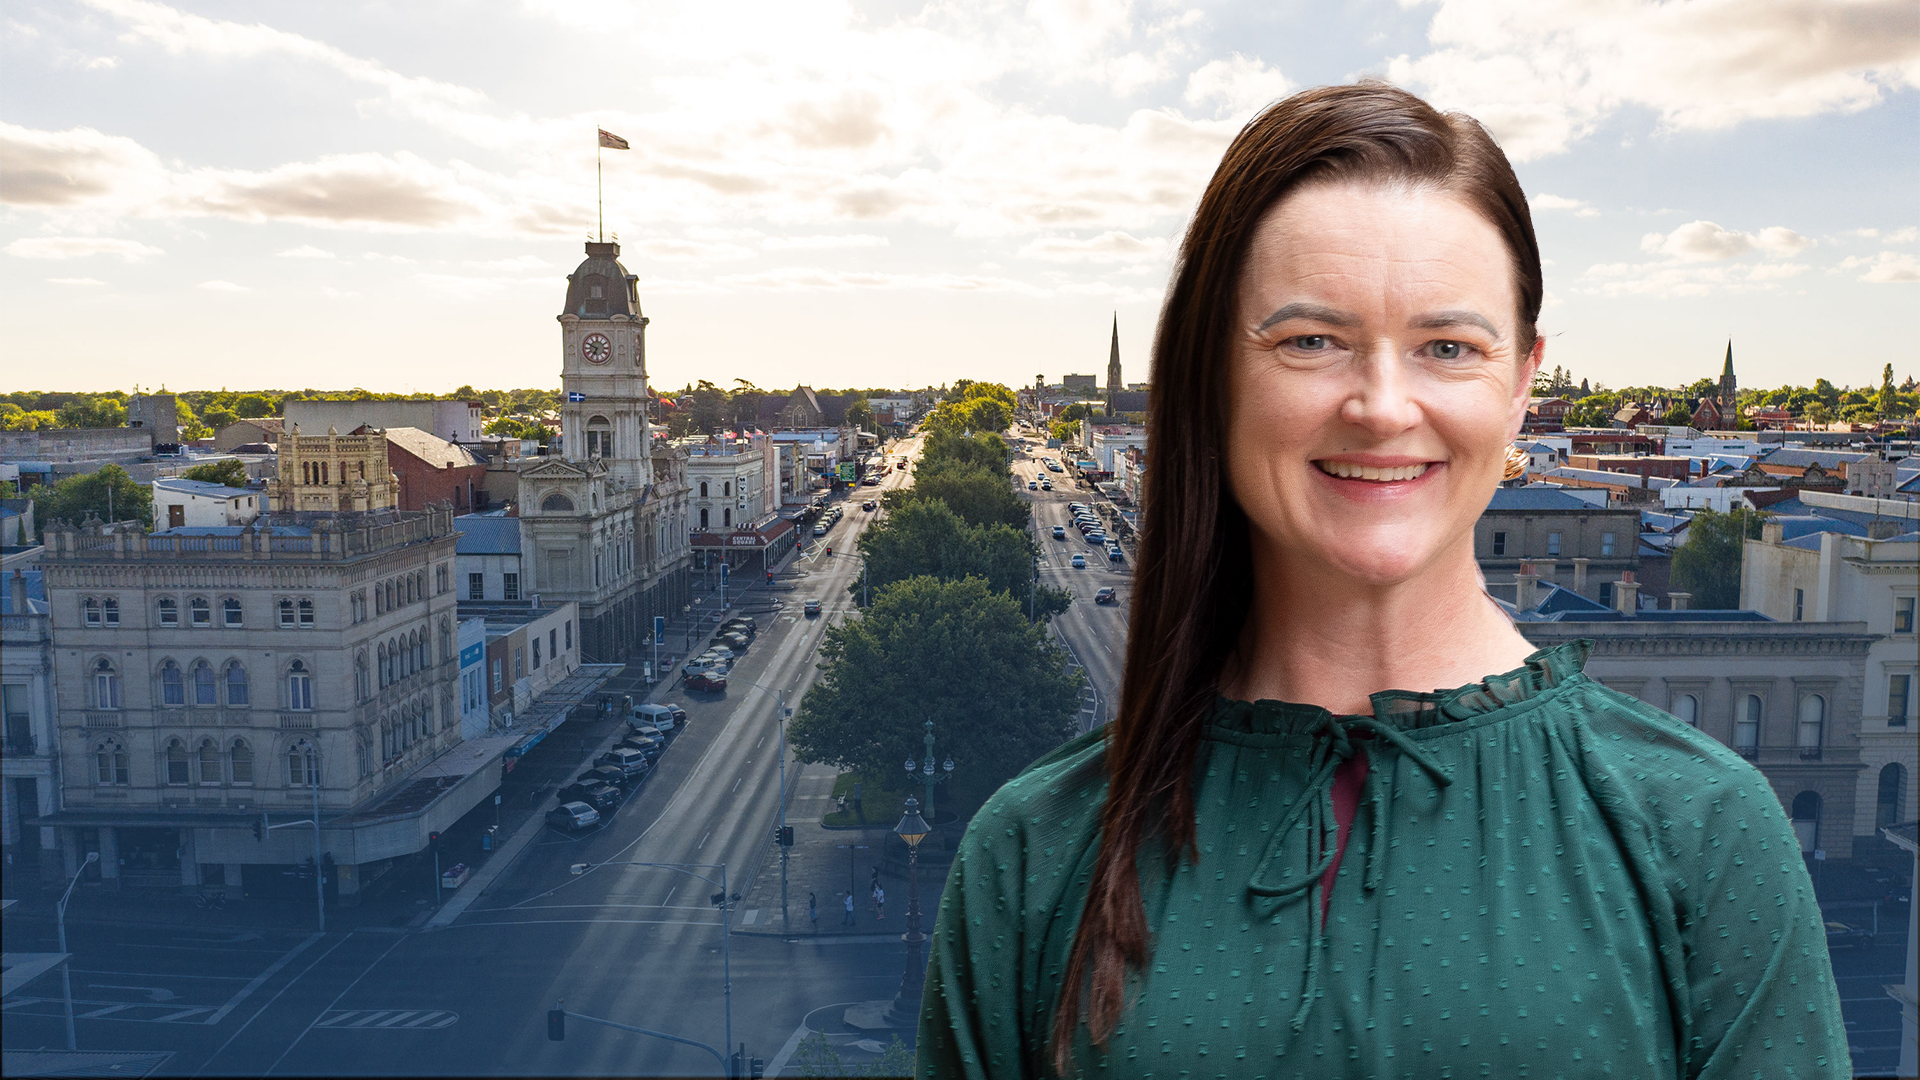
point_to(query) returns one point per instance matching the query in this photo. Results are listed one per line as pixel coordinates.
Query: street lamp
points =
(925, 768)
(66, 962)
(906, 1004)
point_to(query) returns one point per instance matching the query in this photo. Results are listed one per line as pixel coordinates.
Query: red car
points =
(712, 681)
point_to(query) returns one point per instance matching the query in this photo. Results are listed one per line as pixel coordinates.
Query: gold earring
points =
(1517, 461)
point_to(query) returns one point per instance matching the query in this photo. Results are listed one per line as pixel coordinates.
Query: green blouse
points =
(1545, 878)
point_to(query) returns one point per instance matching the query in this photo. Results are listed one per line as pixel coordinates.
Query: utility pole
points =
(319, 870)
(66, 965)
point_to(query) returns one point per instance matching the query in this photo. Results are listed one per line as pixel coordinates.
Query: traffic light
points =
(783, 835)
(260, 828)
(756, 1068)
(433, 840)
(556, 1025)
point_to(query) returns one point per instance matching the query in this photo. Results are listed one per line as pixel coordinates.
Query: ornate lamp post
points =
(905, 1009)
(925, 768)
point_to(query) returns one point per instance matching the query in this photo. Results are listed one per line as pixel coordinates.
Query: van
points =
(651, 719)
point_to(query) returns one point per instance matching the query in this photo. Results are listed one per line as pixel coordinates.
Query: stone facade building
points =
(333, 474)
(1786, 696)
(604, 523)
(208, 677)
(31, 787)
(1567, 540)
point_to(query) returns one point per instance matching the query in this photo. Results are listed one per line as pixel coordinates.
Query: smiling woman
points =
(1281, 854)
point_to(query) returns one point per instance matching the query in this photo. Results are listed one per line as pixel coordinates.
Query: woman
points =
(1274, 862)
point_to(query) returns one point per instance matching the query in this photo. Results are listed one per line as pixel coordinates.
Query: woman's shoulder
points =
(1055, 799)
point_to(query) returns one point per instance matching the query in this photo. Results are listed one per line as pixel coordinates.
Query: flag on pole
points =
(611, 141)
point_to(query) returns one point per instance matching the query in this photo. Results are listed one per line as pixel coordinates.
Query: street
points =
(637, 944)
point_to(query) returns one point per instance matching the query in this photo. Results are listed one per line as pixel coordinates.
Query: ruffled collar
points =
(1406, 710)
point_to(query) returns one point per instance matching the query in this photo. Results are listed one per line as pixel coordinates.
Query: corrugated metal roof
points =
(486, 535)
(1533, 498)
(1829, 460)
(202, 488)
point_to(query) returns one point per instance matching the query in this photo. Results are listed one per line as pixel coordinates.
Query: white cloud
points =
(1542, 74)
(1903, 236)
(1667, 280)
(307, 251)
(1238, 86)
(1886, 268)
(1544, 201)
(812, 243)
(84, 281)
(1704, 241)
(793, 278)
(221, 286)
(79, 247)
(1108, 247)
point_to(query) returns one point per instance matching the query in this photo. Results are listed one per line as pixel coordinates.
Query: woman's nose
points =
(1380, 394)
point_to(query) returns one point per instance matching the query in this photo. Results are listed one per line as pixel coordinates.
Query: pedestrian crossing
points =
(387, 1019)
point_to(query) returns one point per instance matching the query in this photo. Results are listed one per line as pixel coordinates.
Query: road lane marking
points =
(388, 1020)
(344, 938)
(261, 978)
(736, 786)
(331, 1005)
(703, 840)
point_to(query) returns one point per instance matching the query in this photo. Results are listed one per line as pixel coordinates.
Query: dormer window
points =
(596, 292)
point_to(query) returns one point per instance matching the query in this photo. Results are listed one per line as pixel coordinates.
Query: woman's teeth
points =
(1348, 471)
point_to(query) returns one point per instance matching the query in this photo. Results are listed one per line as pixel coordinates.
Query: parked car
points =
(1046, 485)
(1059, 532)
(650, 719)
(811, 608)
(650, 745)
(1114, 554)
(573, 816)
(1079, 562)
(1033, 485)
(1106, 595)
(598, 796)
(820, 528)
(733, 640)
(1097, 537)
(746, 621)
(1076, 507)
(631, 762)
(712, 682)
(679, 714)
(1841, 934)
(607, 774)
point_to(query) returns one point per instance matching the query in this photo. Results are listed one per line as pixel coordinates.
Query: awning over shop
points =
(552, 708)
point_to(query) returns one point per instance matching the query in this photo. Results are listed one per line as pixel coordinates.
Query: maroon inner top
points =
(1348, 781)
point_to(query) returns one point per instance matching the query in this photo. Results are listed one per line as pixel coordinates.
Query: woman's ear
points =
(1523, 388)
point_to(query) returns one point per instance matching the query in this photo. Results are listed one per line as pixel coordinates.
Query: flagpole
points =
(599, 196)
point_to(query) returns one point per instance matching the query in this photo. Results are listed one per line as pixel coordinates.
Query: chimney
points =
(1580, 576)
(1626, 594)
(1882, 528)
(1773, 532)
(18, 586)
(1678, 600)
(1526, 587)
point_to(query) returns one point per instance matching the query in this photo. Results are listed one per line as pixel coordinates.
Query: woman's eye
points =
(1312, 342)
(1448, 350)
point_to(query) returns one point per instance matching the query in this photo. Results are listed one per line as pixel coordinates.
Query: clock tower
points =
(603, 370)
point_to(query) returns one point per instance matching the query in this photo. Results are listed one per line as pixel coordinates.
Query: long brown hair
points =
(1191, 580)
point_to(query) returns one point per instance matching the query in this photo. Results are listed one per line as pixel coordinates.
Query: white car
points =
(651, 720)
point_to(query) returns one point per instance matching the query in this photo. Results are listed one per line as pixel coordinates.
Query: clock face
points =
(596, 348)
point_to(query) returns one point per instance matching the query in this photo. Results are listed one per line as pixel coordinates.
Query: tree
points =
(987, 451)
(996, 688)
(1708, 563)
(860, 415)
(190, 425)
(92, 411)
(1678, 416)
(108, 494)
(1887, 403)
(923, 537)
(228, 471)
(979, 496)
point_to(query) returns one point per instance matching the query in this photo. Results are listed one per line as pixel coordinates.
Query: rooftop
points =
(1537, 498)
(202, 488)
(486, 535)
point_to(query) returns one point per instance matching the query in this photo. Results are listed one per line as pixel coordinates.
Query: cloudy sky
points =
(861, 192)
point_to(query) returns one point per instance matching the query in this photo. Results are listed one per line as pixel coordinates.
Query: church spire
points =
(1114, 385)
(1728, 386)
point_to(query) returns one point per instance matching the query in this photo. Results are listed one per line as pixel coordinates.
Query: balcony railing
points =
(1809, 753)
(1751, 753)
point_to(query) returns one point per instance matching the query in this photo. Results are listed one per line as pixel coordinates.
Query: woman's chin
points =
(1381, 562)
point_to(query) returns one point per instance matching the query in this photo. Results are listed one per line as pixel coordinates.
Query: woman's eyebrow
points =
(1316, 312)
(1440, 320)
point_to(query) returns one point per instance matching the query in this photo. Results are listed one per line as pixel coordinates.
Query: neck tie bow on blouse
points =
(1332, 746)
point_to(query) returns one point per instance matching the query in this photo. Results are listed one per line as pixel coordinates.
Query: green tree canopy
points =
(956, 653)
(108, 494)
(1708, 563)
(979, 496)
(988, 451)
(228, 471)
(92, 411)
(922, 537)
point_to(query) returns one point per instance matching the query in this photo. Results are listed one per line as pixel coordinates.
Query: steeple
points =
(1728, 386)
(1114, 385)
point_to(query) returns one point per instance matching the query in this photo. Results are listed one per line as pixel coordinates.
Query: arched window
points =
(306, 614)
(299, 687)
(361, 687)
(380, 663)
(236, 684)
(173, 685)
(286, 613)
(390, 597)
(411, 596)
(726, 488)
(1806, 819)
(177, 763)
(106, 685)
(1892, 796)
(726, 517)
(240, 758)
(703, 517)
(230, 612)
(201, 611)
(1813, 724)
(703, 489)
(556, 503)
(599, 438)
(110, 611)
(303, 768)
(363, 752)
(446, 641)
(1746, 726)
(206, 688)
(169, 611)
(440, 579)
(209, 758)
(90, 611)
(1686, 708)
(420, 658)
(110, 763)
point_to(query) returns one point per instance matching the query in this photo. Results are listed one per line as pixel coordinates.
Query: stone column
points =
(189, 859)
(1580, 576)
(1626, 594)
(109, 855)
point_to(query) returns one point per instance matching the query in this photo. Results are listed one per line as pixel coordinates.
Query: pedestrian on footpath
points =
(848, 921)
(880, 903)
(813, 913)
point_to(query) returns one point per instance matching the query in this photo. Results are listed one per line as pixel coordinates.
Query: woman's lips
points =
(1349, 470)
